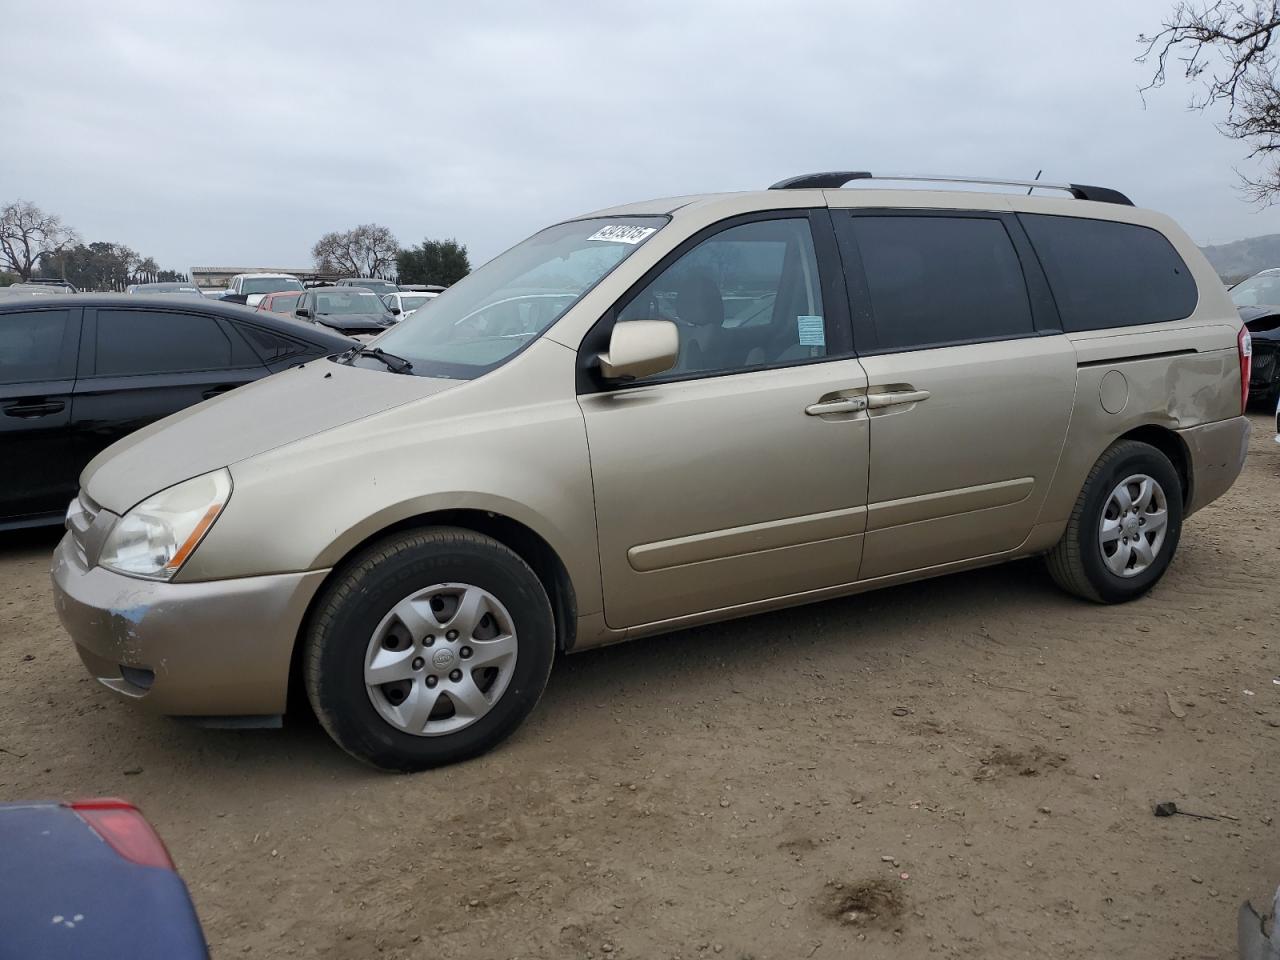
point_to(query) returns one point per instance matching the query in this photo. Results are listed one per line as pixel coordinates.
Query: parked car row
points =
(78, 373)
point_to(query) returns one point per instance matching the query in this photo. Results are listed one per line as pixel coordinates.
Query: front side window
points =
(408, 303)
(31, 345)
(285, 303)
(941, 280)
(746, 297)
(1109, 274)
(140, 341)
(269, 284)
(486, 318)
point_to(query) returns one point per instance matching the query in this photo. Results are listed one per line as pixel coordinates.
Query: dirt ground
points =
(964, 767)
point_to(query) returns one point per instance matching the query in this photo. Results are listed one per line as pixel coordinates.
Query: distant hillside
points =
(1244, 258)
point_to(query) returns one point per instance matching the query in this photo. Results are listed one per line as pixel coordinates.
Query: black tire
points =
(1076, 562)
(361, 594)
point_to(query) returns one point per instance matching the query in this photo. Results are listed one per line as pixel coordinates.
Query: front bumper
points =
(219, 648)
(1217, 453)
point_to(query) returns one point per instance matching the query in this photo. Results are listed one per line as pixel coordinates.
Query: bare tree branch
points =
(1225, 46)
(27, 233)
(368, 250)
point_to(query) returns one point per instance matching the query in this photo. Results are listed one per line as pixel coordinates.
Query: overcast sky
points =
(237, 133)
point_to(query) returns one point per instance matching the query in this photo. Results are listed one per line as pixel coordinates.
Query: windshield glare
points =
(348, 301)
(1257, 291)
(269, 285)
(486, 318)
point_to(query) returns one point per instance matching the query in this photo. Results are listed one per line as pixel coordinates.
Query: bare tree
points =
(366, 251)
(27, 233)
(1226, 47)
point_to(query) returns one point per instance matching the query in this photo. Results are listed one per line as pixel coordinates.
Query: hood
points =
(243, 423)
(1263, 321)
(356, 321)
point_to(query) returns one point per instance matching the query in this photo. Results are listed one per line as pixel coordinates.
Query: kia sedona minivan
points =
(659, 415)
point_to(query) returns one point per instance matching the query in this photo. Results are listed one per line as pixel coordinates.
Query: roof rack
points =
(830, 181)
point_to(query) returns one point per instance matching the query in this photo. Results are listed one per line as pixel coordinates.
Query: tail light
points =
(1244, 344)
(125, 830)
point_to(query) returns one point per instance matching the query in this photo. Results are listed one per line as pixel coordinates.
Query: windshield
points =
(484, 319)
(1256, 291)
(354, 300)
(154, 288)
(269, 284)
(413, 303)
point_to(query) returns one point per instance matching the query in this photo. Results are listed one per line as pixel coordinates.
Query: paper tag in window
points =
(622, 233)
(811, 332)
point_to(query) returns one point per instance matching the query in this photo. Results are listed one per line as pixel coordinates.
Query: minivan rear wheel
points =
(427, 648)
(1124, 528)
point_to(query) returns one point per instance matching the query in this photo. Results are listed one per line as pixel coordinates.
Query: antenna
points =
(1037, 177)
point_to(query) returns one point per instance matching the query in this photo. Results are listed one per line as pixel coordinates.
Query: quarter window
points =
(746, 297)
(1108, 274)
(270, 346)
(141, 341)
(934, 281)
(31, 346)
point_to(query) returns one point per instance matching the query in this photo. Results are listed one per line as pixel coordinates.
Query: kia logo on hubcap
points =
(442, 658)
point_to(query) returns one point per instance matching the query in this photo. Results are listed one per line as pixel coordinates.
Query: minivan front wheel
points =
(1124, 527)
(427, 648)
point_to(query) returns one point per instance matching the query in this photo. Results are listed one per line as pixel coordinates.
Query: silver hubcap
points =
(1134, 523)
(441, 659)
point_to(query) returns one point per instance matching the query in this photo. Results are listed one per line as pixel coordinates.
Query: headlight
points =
(154, 539)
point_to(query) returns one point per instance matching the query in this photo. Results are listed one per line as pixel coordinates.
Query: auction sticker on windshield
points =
(622, 233)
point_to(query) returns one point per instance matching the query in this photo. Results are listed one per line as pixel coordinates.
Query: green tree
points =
(434, 261)
(103, 266)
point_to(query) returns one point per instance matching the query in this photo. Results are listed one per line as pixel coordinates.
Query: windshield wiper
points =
(393, 363)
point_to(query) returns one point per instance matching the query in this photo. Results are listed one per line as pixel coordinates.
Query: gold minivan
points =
(659, 415)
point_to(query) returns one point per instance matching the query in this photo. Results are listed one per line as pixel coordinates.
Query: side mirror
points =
(395, 311)
(302, 312)
(640, 348)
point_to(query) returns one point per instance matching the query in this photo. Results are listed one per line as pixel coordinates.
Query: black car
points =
(79, 372)
(1264, 330)
(350, 310)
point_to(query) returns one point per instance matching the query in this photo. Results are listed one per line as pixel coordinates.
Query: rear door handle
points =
(31, 409)
(877, 401)
(836, 405)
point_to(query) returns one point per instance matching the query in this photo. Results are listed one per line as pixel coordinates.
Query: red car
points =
(285, 301)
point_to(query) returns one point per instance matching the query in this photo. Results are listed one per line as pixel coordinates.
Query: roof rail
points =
(830, 181)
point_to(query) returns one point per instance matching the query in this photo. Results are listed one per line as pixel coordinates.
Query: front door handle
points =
(836, 405)
(877, 401)
(31, 409)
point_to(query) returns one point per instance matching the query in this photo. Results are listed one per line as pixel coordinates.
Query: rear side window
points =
(1108, 274)
(940, 280)
(32, 346)
(142, 341)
